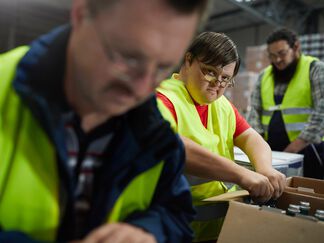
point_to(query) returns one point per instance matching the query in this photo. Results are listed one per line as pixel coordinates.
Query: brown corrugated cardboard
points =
(304, 185)
(295, 198)
(256, 58)
(240, 94)
(228, 196)
(246, 223)
(303, 189)
(249, 224)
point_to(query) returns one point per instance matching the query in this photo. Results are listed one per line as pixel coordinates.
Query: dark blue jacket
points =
(141, 140)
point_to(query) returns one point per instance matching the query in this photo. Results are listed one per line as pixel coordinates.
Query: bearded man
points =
(287, 105)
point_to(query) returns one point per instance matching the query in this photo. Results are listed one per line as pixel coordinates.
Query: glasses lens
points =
(210, 78)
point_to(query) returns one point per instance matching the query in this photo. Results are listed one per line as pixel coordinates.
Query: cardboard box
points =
(240, 94)
(305, 185)
(249, 224)
(303, 189)
(256, 58)
(295, 198)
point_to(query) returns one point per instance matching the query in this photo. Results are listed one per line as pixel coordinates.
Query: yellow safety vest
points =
(218, 138)
(297, 103)
(29, 181)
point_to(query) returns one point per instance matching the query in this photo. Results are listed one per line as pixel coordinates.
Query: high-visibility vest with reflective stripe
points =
(29, 181)
(218, 138)
(297, 103)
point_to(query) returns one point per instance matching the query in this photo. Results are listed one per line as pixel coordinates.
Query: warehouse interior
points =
(246, 22)
(297, 216)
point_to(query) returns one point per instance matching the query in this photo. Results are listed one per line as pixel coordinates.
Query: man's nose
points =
(278, 59)
(145, 83)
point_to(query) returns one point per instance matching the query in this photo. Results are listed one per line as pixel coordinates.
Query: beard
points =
(285, 75)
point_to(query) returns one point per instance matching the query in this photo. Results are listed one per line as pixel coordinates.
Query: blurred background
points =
(247, 22)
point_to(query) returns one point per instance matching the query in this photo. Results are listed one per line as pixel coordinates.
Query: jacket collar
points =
(41, 71)
(39, 83)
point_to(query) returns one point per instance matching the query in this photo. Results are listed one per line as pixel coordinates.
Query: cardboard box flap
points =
(228, 196)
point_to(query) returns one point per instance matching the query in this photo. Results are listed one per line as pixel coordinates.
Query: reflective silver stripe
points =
(289, 111)
(194, 180)
(295, 126)
(275, 108)
(290, 127)
(267, 113)
(297, 111)
(211, 211)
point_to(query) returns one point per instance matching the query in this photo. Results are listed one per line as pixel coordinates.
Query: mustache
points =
(121, 88)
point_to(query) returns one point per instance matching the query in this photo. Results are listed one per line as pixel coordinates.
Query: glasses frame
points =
(215, 79)
(126, 67)
(281, 54)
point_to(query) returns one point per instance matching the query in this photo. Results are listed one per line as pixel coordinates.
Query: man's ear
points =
(78, 12)
(188, 58)
(297, 46)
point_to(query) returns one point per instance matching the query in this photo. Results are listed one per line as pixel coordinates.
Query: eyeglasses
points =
(215, 75)
(281, 54)
(129, 67)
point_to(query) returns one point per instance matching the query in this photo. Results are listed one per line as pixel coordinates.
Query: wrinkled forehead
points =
(158, 33)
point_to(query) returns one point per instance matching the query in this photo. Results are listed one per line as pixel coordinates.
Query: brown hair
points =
(215, 49)
(283, 34)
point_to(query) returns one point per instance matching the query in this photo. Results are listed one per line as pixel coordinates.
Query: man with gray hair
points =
(85, 154)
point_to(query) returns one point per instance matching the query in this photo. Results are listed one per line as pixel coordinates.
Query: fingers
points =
(128, 234)
(278, 181)
(100, 233)
(260, 188)
(119, 233)
(276, 187)
(267, 193)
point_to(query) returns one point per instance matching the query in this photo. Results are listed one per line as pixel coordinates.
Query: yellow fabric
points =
(137, 196)
(28, 186)
(29, 183)
(218, 138)
(297, 95)
(207, 231)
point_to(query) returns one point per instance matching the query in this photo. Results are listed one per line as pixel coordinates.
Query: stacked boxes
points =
(256, 58)
(313, 45)
(241, 93)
